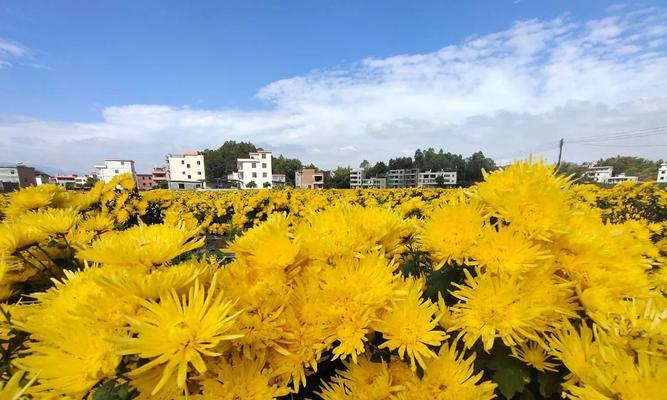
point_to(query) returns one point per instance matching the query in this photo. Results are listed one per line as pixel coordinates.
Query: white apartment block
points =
(430, 179)
(374, 183)
(254, 171)
(621, 178)
(186, 171)
(599, 174)
(662, 174)
(112, 168)
(400, 178)
(357, 175)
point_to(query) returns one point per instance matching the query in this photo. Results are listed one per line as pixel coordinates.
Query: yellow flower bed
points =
(522, 286)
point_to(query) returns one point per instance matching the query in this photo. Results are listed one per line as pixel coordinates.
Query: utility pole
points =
(560, 152)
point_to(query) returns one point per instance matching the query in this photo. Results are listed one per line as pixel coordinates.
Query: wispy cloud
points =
(10, 51)
(506, 93)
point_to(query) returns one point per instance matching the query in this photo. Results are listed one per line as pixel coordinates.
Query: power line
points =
(658, 130)
(619, 145)
(539, 148)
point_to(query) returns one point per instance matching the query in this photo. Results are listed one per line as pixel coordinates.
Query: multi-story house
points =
(662, 173)
(254, 171)
(112, 168)
(41, 178)
(599, 174)
(621, 178)
(145, 182)
(357, 175)
(374, 183)
(160, 174)
(65, 181)
(15, 176)
(309, 178)
(401, 178)
(278, 180)
(430, 179)
(186, 171)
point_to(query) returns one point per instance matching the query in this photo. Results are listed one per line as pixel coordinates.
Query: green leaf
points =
(510, 374)
(550, 383)
(527, 395)
(109, 391)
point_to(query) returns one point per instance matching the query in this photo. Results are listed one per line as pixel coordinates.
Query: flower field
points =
(524, 286)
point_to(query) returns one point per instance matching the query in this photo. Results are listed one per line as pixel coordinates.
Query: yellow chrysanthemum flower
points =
(241, 378)
(451, 231)
(504, 250)
(450, 376)
(176, 333)
(12, 389)
(534, 355)
(510, 308)
(142, 245)
(410, 326)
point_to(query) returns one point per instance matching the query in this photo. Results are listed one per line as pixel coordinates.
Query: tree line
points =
(644, 169)
(221, 162)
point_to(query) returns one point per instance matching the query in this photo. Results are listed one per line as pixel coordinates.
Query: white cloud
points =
(9, 51)
(506, 94)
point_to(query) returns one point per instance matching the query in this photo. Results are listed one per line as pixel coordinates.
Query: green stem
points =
(46, 254)
(25, 260)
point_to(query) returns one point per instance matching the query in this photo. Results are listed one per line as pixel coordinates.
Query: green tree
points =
(251, 185)
(267, 184)
(337, 179)
(401, 163)
(472, 171)
(570, 168)
(221, 162)
(287, 166)
(645, 170)
(439, 181)
(379, 169)
(91, 181)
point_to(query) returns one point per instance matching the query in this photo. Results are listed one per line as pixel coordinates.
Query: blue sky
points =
(330, 82)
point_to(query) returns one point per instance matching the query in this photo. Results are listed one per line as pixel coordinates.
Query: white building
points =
(357, 175)
(401, 178)
(186, 171)
(430, 179)
(254, 171)
(662, 173)
(599, 174)
(112, 168)
(279, 180)
(65, 181)
(621, 178)
(374, 183)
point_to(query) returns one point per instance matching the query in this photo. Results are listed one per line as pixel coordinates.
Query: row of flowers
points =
(523, 285)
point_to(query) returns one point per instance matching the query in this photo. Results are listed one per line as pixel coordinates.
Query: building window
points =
(254, 174)
(122, 163)
(263, 165)
(254, 165)
(182, 162)
(198, 172)
(181, 185)
(187, 166)
(198, 162)
(183, 172)
(189, 176)
(263, 155)
(116, 170)
(263, 174)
